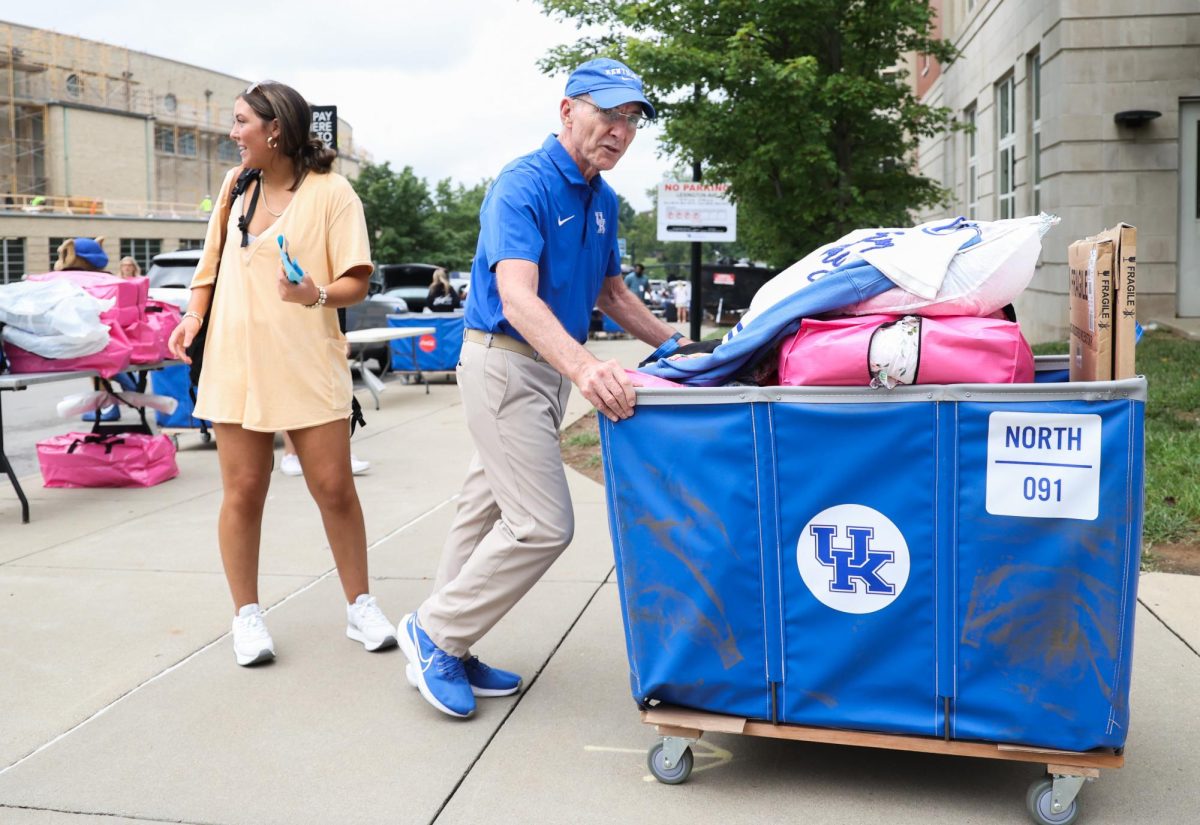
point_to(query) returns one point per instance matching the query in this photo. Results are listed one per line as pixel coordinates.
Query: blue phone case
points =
(294, 273)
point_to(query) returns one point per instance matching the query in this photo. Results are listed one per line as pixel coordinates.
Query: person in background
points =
(441, 296)
(683, 299)
(289, 464)
(275, 356)
(547, 253)
(129, 268)
(637, 281)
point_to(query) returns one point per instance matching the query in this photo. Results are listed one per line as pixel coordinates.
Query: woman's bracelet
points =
(321, 298)
(199, 318)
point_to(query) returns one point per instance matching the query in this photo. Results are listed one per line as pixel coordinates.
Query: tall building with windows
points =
(1087, 109)
(97, 140)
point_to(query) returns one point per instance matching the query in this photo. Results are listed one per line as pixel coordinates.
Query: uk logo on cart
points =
(853, 559)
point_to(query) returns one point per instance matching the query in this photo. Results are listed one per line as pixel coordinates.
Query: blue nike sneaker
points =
(490, 681)
(440, 677)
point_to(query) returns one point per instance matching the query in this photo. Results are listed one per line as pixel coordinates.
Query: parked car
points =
(171, 274)
(410, 283)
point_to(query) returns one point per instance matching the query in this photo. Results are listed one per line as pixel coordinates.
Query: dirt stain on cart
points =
(726, 643)
(673, 613)
(1063, 628)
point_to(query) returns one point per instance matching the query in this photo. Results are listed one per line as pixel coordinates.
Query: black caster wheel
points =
(1038, 799)
(674, 774)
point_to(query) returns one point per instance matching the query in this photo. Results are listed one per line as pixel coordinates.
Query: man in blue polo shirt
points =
(547, 254)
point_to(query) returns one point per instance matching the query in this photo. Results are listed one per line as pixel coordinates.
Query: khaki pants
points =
(514, 515)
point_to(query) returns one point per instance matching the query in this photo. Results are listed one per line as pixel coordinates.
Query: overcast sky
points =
(450, 87)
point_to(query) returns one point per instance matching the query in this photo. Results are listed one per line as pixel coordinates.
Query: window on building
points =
(12, 259)
(141, 250)
(170, 103)
(972, 180)
(164, 139)
(186, 143)
(1006, 148)
(55, 243)
(74, 85)
(1035, 120)
(227, 151)
(191, 243)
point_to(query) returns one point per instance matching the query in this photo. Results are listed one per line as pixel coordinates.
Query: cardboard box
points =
(1124, 327)
(1090, 262)
(1103, 271)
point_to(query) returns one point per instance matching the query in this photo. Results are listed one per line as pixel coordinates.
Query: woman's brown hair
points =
(272, 100)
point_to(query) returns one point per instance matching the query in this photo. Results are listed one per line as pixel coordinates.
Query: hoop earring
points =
(273, 142)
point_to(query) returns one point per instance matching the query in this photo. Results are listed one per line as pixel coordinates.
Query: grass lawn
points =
(1171, 365)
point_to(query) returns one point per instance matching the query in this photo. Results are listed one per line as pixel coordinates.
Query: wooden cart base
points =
(1051, 800)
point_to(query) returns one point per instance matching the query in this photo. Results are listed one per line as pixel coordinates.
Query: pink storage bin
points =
(120, 460)
(129, 294)
(957, 349)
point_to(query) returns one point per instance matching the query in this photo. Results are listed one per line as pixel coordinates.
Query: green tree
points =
(399, 212)
(455, 223)
(798, 104)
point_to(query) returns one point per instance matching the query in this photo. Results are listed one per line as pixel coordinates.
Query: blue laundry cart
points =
(950, 569)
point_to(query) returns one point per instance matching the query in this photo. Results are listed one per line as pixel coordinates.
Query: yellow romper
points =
(271, 365)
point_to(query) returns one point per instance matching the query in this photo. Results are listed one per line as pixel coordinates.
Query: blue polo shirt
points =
(541, 209)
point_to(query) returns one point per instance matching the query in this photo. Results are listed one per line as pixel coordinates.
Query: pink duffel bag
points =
(128, 294)
(120, 460)
(886, 350)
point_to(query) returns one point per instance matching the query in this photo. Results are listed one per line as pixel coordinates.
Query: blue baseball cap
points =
(610, 83)
(92, 252)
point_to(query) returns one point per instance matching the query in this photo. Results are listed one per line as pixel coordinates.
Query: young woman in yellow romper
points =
(275, 358)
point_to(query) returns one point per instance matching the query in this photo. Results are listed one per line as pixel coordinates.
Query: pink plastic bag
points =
(958, 349)
(108, 362)
(120, 460)
(641, 379)
(161, 319)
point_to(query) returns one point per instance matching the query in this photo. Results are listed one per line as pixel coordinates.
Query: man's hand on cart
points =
(605, 384)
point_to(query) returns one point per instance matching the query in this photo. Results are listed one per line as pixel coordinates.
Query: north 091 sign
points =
(690, 211)
(324, 125)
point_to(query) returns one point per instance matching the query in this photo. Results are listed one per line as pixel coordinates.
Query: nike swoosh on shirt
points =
(561, 221)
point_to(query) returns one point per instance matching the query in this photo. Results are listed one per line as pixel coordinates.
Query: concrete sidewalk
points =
(120, 701)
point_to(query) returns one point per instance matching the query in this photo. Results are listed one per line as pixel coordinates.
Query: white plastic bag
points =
(58, 346)
(53, 319)
(981, 279)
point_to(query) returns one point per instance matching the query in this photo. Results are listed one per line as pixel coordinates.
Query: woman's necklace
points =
(262, 185)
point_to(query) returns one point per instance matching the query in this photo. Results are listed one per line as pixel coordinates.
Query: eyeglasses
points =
(612, 116)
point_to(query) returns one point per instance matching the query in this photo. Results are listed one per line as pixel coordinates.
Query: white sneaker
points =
(251, 641)
(366, 623)
(290, 465)
(358, 466)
